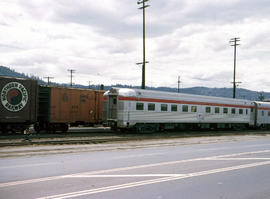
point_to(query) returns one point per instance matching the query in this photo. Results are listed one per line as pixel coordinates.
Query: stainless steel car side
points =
(147, 110)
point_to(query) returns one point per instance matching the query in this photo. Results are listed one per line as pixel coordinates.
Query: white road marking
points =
(124, 175)
(171, 162)
(128, 168)
(28, 165)
(148, 182)
(30, 181)
(237, 159)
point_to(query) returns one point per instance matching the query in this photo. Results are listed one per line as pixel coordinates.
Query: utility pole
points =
(71, 76)
(178, 82)
(234, 41)
(48, 79)
(89, 82)
(144, 62)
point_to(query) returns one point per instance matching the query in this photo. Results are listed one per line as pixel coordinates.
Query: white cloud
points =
(102, 41)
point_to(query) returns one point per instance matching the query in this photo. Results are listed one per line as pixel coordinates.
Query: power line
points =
(71, 76)
(234, 41)
(144, 62)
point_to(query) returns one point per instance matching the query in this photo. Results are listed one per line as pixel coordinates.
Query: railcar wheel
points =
(37, 127)
(146, 128)
(123, 130)
(3, 129)
(64, 128)
(239, 127)
(50, 128)
(10, 132)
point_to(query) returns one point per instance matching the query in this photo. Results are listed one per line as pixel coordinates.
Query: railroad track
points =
(105, 135)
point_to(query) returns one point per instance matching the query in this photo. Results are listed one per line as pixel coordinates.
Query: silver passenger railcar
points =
(261, 116)
(147, 110)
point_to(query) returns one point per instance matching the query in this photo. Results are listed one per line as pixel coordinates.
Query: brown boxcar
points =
(19, 101)
(59, 107)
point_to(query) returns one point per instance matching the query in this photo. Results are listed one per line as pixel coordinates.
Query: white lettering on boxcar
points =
(14, 96)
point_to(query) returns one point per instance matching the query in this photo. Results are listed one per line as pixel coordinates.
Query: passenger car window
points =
(173, 107)
(139, 106)
(208, 109)
(151, 107)
(225, 110)
(193, 108)
(216, 109)
(185, 108)
(164, 107)
(233, 110)
(241, 111)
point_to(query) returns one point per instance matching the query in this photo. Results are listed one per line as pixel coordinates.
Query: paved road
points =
(230, 167)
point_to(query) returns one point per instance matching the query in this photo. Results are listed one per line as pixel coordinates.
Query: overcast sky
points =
(102, 41)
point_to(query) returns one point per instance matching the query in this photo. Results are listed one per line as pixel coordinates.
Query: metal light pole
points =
(144, 62)
(234, 41)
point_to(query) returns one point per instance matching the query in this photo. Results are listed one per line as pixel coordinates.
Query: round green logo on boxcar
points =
(14, 96)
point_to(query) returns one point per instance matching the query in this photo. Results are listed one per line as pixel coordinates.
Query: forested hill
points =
(219, 92)
(5, 71)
